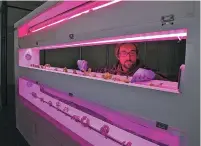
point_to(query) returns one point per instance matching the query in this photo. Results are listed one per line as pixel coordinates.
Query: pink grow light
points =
(40, 27)
(107, 4)
(66, 16)
(153, 36)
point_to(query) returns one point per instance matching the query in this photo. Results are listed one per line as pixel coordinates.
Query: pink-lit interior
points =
(49, 17)
(167, 86)
(83, 135)
(154, 84)
(87, 136)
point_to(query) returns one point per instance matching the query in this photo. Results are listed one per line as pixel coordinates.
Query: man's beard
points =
(128, 64)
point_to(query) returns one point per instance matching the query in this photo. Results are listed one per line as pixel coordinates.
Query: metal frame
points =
(4, 13)
(4, 39)
(147, 103)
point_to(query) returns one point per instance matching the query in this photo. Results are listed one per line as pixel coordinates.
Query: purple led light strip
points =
(151, 36)
(74, 102)
(57, 124)
(77, 119)
(94, 114)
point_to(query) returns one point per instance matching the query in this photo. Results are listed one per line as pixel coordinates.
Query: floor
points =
(9, 135)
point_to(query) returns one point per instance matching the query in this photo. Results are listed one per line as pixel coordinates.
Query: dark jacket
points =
(117, 70)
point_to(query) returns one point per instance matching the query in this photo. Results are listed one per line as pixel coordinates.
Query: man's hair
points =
(118, 46)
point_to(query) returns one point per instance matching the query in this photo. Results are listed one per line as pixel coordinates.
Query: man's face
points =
(127, 55)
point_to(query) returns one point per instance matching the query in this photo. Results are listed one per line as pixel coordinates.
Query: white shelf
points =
(91, 136)
(167, 85)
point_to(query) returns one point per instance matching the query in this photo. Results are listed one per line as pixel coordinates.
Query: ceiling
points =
(29, 5)
(19, 9)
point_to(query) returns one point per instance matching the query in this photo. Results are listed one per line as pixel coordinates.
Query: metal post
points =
(4, 53)
(80, 53)
(44, 59)
(107, 55)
